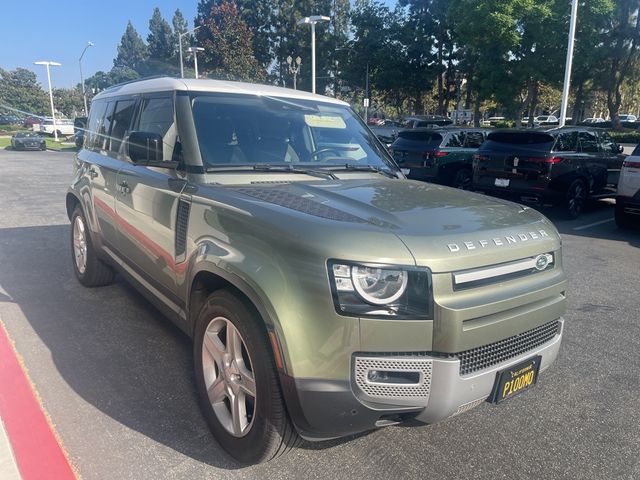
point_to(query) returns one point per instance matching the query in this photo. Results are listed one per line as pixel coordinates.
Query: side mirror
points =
(619, 149)
(144, 147)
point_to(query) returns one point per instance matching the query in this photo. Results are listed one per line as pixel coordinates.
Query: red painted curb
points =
(35, 446)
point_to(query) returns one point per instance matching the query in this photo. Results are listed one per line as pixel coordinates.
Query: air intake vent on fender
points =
(182, 222)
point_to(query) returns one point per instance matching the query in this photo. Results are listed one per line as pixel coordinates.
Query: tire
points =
(575, 198)
(461, 179)
(89, 269)
(264, 430)
(43, 147)
(623, 220)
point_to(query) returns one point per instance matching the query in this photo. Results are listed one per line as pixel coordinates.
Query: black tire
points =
(623, 220)
(96, 272)
(43, 147)
(575, 198)
(462, 179)
(272, 433)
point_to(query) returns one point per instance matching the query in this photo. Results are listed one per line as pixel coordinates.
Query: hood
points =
(436, 223)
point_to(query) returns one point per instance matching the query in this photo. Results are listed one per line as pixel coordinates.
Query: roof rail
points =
(122, 84)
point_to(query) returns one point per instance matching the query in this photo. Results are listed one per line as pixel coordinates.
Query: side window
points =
(588, 142)
(120, 123)
(156, 116)
(95, 118)
(473, 139)
(104, 126)
(606, 143)
(566, 142)
(456, 140)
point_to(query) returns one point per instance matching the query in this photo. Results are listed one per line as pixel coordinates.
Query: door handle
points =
(124, 188)
(92, 172)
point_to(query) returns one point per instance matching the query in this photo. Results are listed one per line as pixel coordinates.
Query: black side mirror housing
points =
(619, 148)
(144, 147)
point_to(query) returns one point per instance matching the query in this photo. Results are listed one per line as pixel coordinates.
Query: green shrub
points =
(628, 136)
(503, 124)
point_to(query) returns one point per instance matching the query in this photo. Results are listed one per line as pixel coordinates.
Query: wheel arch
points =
(71, 202)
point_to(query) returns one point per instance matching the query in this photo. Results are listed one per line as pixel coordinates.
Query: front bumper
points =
(322, 410)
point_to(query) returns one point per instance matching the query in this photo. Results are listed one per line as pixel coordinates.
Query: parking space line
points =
(35, 446)
(583, 227)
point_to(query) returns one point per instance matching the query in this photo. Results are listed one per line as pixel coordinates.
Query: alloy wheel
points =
(79, 244)
(228, 376)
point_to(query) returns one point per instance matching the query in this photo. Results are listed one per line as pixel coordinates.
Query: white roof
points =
(164, 84)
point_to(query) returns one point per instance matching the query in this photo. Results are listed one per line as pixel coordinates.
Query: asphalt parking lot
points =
(116, 378)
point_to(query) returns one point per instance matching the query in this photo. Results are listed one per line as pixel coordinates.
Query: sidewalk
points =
(8, 466)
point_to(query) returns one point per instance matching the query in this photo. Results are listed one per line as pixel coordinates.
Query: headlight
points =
(380, 291)
(377, 285)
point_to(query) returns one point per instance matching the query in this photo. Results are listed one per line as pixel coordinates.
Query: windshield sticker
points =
(324, 121)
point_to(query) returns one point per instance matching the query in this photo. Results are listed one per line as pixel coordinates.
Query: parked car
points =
(30, 121)
(443, 155)
(593, 120)
(561, 166)
(325, 294)
(63, 126)
(627, 118)
(545, 120)
(627, 213)
(28, 141)
(9, 120)
(419, 121)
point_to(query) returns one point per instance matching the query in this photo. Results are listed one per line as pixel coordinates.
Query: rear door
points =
(593, 162)
(148, 202)
(514, 160)
(101, 171)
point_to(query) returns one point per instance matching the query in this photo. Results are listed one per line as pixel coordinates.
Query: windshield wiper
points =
(291, 169)
(365, 168)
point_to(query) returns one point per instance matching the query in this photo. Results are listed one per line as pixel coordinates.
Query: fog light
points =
(376, 376)
(382, 376)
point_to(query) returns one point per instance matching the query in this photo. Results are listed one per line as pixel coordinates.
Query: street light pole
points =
(312, 20)
(48, 64)
(567, 68)
(195, 51)
(84, 95)
(180, 35)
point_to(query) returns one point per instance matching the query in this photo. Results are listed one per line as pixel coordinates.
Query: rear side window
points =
(95, 119)
(567, 142)
(473, 139)
(456, 140)
(588, 142)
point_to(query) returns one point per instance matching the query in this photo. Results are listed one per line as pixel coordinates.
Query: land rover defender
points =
(325, 293)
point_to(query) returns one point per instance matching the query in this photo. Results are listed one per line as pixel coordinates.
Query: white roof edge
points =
(221, 86)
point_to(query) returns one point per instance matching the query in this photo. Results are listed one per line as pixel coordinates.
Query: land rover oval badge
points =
(541, 262)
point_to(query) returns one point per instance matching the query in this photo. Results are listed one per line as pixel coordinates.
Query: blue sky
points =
(34, 30)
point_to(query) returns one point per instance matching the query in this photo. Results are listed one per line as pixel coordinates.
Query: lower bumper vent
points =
(368, 370)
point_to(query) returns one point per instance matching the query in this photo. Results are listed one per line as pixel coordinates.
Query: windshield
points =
(241, 130)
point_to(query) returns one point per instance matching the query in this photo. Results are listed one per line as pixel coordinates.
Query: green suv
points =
(325, 293)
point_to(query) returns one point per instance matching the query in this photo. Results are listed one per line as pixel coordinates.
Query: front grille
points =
(488, 355)
(393, 391)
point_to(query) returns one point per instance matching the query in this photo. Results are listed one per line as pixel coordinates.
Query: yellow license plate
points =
(516, 379)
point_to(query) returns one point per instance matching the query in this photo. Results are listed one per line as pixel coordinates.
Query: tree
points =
(620, 53)
(132, 51)
(20, 92)
(227, 43)
(68, 101)
(180, 26)
(160, 40)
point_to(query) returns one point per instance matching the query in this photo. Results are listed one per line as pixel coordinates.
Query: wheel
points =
(237, 382)
(89, 269)
(43, 147)
(623, 220)
(575, 198)
(461, 179)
